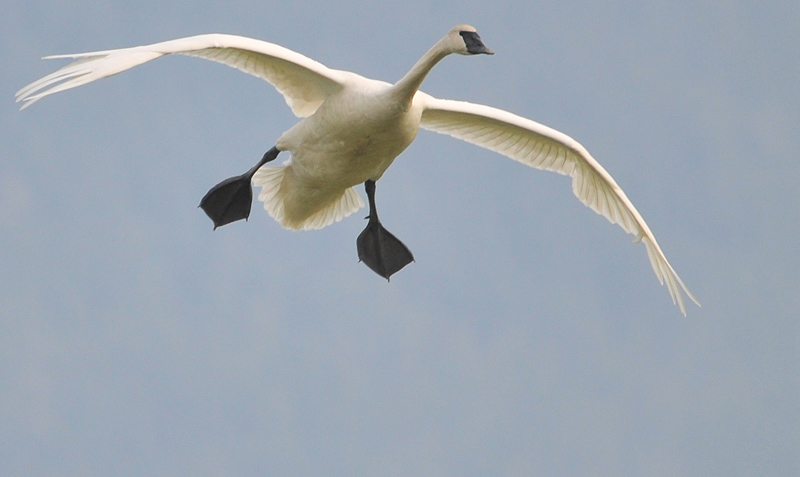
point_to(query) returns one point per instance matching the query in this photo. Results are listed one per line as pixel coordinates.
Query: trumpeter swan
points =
(352, 130)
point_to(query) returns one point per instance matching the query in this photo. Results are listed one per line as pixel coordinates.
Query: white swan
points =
(353, 129)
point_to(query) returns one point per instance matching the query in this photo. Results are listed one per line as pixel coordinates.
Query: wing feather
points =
(541, 147)
(303, 82)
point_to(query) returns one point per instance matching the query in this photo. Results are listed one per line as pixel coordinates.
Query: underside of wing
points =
(303, 82)
(541, 147)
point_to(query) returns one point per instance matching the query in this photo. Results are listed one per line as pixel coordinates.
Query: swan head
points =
(464, 40)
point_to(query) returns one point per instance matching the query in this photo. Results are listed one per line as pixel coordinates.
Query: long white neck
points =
(405, 89)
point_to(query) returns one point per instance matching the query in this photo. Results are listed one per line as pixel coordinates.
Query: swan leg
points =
(381, 251)
(231, 199)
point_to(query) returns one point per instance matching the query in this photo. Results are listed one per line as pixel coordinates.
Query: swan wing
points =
(539, 146)
(303, 82)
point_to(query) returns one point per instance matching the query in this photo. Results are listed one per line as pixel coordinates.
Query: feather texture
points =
(541, 147)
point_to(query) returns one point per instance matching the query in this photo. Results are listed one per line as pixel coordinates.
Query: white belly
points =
(353, 137)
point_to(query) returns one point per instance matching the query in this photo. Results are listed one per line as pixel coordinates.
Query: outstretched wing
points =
(544, 148)
(303, 82)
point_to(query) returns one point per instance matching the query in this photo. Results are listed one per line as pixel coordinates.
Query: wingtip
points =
(25, 103)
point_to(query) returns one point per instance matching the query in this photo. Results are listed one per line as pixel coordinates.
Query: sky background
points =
(530, 336)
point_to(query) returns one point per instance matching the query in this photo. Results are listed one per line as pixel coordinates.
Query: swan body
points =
(352, 129)
(358, 137)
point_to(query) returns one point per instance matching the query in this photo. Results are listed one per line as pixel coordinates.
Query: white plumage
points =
(354, 127)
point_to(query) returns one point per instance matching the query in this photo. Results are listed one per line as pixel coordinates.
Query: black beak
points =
(474, 44)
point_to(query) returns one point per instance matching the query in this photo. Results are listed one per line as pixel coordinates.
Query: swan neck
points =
(409, 84)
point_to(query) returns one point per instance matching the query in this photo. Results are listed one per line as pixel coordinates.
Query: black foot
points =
(231, 199)
(381, 251)
(228, 201)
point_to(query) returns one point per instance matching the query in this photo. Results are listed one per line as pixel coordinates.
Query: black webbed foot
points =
(231, 199)
(228, 201)
(381, 251)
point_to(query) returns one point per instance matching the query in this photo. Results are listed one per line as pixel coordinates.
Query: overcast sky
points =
(529, 337)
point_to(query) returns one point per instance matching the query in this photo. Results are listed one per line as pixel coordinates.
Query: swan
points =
(352, 129)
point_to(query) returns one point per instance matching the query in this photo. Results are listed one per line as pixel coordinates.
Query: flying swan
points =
(352, 129)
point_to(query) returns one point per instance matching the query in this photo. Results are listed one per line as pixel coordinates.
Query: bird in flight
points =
(351, 131)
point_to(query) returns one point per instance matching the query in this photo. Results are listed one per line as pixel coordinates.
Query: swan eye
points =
(474, 44)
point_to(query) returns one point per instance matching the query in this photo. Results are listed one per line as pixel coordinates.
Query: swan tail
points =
(274, 198)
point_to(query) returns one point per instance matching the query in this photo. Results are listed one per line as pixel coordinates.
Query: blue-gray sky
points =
(530, 336)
